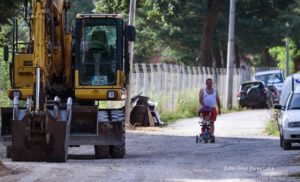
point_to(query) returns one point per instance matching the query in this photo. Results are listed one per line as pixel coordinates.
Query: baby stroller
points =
(205, 123)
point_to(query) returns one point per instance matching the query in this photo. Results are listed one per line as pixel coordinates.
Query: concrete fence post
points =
(159, 80)
(195, 74)
(145, 79)
(152, 71)
(137, 78)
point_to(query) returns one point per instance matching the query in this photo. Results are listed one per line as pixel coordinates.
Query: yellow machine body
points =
(61, 77)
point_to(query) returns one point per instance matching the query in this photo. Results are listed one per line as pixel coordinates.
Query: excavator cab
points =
(100, 57)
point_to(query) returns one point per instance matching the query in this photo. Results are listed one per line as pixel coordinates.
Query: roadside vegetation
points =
(187, 106)
(272, 127)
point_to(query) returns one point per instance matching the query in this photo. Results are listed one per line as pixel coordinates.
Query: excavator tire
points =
(8, 151)
(118, 151)
(102, 151)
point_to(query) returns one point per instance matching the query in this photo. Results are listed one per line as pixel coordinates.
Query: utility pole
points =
(230, 55)
(132, 11)
(287, 49)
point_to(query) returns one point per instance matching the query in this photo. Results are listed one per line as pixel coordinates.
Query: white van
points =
(289, 115)
(272, 77)
(290, 83)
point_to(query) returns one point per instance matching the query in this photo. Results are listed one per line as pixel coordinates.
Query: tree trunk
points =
(269, 61)
(224, 54)
(205, 49)
(217, 55)
(237, 57)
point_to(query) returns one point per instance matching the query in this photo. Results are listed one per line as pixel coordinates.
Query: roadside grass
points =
(186, 106)
(272, 128)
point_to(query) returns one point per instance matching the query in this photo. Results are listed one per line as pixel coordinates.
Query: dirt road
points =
(241, 153)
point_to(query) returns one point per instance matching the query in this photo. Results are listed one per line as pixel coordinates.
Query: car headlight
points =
(293, 124)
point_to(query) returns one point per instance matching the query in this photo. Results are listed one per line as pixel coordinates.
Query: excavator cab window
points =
(99, 45)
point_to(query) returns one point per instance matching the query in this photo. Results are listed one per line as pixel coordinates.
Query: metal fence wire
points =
(170, 80)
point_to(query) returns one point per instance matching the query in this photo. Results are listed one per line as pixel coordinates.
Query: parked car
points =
(271, 77)
(289, 115)
(254, 94)
(289, 122)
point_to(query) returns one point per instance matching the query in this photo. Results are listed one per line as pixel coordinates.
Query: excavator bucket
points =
(41, 136)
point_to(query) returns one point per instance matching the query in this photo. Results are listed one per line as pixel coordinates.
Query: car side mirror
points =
(131, 33)
(5, 53)
(279, 107)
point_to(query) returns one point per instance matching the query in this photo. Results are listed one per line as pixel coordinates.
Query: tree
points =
(8, 10)
(205, 55)
(79, 6)
(181, 31)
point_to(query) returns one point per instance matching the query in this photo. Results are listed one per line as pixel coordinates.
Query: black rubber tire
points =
(118, 151)
(8, 151)
(287, 145)
(197, 139)
(102, 151)
(281, 140)
(253, 94)
(213, 139)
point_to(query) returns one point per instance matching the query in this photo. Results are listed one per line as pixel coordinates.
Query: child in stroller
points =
(206, 124)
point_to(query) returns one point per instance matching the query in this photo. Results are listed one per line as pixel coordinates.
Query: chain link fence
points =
(168, 81)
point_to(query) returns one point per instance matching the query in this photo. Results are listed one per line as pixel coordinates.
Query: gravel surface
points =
(242, 152)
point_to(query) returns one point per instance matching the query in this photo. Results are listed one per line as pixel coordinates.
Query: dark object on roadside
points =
(274, 93)
(144, 112)
(254, 94)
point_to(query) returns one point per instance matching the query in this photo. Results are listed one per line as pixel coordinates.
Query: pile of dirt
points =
(4, 171)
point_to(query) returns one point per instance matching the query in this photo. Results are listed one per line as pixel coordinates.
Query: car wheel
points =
(281, 141)
(287, 145)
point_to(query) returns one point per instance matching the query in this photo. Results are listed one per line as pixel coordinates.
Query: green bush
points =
(4, 100)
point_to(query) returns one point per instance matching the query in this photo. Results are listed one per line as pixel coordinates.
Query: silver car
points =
(289, 120)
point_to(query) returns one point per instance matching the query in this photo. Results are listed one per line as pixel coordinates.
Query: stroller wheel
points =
(212, 140)
(197, 139)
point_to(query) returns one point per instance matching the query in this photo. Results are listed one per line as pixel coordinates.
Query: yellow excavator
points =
(58, 78)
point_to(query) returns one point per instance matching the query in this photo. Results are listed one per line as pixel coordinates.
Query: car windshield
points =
(295, 102)
(246, 86)
(270, 78)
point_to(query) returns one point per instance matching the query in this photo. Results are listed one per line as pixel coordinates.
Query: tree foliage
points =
(79, 6)
(8, 10)
(195, 32)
